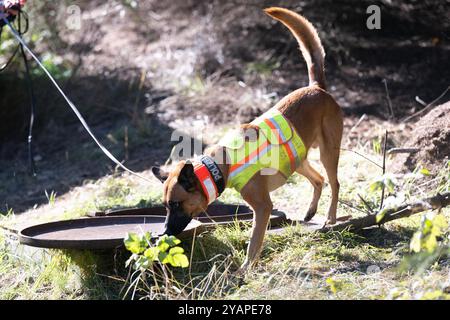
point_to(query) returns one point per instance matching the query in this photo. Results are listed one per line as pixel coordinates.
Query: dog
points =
(311, 112)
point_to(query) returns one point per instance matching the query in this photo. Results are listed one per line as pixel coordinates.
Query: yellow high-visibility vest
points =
(276, 148)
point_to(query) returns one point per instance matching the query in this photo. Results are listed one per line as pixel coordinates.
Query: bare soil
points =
(139, 73)
(431, 135)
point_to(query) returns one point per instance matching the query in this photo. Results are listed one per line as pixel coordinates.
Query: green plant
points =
(376, 145)
(144, 254)
(151, 261)
(387, 180)
(431, 228)
(334, 285)
(51, 197)
(8, 213)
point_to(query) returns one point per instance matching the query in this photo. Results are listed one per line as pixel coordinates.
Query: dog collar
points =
(210, 177)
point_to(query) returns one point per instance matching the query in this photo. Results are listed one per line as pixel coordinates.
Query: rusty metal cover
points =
(94, 233)
(213, 211)
(109, 230)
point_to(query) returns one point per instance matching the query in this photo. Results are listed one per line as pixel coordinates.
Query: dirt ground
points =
(431, 136)
(139, 73)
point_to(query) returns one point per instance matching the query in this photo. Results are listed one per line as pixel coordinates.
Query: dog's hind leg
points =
(316, 180)
(329, 146)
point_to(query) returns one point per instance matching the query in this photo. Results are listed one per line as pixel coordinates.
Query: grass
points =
(296, 263)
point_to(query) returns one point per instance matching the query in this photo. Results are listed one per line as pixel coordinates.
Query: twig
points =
(403, 150)
(171, 156)
(138, 95)
(361, 155)
(421, 101)
(363, 117)
(348, 204)
(388, 98)
(353, 129)
(384, 168)
(366, 204)
(430, 105)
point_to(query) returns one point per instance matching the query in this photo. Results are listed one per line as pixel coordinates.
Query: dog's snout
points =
(176, 220)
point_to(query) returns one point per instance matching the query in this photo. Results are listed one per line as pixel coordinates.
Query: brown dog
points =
(316, 117)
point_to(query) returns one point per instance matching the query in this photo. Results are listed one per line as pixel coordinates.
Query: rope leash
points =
(72, 106)
(28, 79)
(30, 94)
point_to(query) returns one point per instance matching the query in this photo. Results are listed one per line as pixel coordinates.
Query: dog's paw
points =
(329, 223)
(309, 215)
(243, 269)
(240, 274)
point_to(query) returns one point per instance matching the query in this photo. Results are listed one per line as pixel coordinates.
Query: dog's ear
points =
(160, 174)
(187, 176)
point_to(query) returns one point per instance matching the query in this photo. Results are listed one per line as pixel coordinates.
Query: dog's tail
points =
(308, 39)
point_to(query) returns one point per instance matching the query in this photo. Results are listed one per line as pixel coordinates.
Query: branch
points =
(403, 150)
(432, 203)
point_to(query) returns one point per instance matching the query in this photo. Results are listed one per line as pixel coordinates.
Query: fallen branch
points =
(432, 203)
(403, 150)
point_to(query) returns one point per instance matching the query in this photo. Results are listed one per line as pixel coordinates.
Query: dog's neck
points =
(219, 155)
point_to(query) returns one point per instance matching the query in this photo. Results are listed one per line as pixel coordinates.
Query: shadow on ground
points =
(64, 153)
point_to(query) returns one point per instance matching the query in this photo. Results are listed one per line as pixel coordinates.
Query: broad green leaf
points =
(377, 185)
(148, 236)
(440, 222)
(176, 250)
(427, 226)
(425, 172)
(135, 243)
(415, 245)
(163, 246)
(333, 284)
(430, 243)
(164, 257)
(172, 241)
(180, 260)
(152, 253)
(380, 215)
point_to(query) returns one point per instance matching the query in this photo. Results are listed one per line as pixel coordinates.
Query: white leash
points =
(72, 106)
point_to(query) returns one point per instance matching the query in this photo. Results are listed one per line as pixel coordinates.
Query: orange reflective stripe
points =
(274, 130)
(289, 152)
(249, 157)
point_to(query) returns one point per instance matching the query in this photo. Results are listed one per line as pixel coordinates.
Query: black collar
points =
(215, 172)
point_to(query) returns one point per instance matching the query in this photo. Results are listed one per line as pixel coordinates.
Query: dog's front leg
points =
(257, 196)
